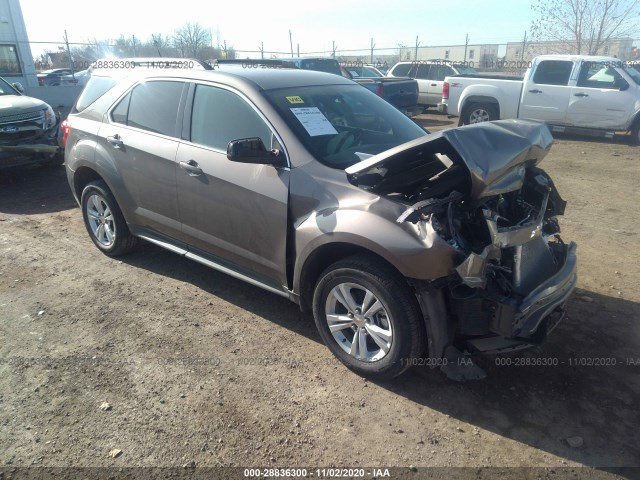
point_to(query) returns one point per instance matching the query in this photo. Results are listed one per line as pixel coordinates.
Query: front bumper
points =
(30, 149)
(518, 322)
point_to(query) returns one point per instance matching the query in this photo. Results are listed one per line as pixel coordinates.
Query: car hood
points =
(13, 104)
(494, 155)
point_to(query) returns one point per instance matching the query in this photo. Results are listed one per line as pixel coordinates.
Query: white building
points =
(16, 61)
(479, 56)
(616, 47)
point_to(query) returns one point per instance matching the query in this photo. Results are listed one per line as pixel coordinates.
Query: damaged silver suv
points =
(403, 244)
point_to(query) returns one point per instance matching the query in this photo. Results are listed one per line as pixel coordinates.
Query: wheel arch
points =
(322, 257)
(480, 99)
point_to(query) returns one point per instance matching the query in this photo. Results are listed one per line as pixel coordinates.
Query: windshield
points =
(342, 124)
(321, 65)
(6, 88)
(364, 72)
(633, 73)
(464, 70)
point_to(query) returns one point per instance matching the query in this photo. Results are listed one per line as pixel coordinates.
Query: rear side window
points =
(151, 106)
(553, 72)
(220, 116)
(95, 88)
(438, 72)
(424, 71)
(401, 70)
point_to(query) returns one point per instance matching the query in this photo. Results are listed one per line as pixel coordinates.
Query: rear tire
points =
(104, 220)
(478, 113)
(635, 133)
(368, 317)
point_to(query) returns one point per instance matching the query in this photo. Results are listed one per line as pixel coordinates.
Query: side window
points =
(597, 75)
(402, 70)
(154, 106)
(119, 114)
(553, 72)
(220, 116)
(424, 71)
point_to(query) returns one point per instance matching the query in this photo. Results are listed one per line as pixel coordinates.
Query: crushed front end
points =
(479, 189)
(511, 287)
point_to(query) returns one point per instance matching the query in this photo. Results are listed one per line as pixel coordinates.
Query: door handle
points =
(115, 140)
(191, 167)
(580, 95)
(535, 91)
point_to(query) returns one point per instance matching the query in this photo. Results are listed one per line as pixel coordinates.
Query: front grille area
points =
(21, 117)
(12, 138)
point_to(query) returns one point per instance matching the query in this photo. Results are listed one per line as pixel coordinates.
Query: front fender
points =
(415, 250)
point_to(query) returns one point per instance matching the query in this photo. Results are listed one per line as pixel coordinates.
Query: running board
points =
(583, 131)
(215, 266)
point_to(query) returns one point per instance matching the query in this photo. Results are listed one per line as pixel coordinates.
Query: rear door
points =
(140, 140)
(437, 74)
(421, 73)
(546, 93)
(600, 99)
(235, 213)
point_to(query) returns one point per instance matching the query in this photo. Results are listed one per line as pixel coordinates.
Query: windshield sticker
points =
(295, 99)
(314, 122)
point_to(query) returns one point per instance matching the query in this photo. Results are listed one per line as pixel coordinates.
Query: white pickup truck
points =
(588, 94)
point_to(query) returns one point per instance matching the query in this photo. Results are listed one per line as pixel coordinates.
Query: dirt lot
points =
(201, 369)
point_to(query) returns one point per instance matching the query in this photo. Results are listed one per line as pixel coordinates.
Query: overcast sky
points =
(314, 24)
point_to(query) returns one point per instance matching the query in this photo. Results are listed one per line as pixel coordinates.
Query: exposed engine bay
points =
(480, 190)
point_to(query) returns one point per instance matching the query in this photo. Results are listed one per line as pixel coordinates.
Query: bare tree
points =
(159, 42)
(191, 39)
(585, 26)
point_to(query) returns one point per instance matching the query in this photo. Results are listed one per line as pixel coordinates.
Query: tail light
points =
(65, 131)
(445, 91)
(379, 91)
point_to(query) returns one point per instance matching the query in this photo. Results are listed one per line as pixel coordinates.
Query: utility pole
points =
(333, 49)
(133, 39)
(466, 44)
(298, 45)
(261, 49)
(66, 41)
(417, 44)
(524, 45)
(291, 43)
(224, 49)
(372, 47)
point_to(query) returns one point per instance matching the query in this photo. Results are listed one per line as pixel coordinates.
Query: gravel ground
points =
(153, 360)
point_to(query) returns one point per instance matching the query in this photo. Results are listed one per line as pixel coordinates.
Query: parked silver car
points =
(402, 243)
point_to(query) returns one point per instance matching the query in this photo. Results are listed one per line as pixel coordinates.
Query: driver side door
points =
(234, 214)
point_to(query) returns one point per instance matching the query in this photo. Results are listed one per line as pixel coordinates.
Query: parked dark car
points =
(28, 129)
(52, 77)
(401, 243)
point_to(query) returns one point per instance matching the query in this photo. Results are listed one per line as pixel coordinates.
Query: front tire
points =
(635, 133)
(478, 113)
(104, 220)
(368, 317)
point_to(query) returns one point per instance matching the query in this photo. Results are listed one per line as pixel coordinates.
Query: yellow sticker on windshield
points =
(295, 99)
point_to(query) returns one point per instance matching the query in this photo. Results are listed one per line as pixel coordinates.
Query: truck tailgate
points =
(402, 93)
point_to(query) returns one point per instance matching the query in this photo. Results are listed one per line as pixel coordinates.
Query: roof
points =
(261, 78)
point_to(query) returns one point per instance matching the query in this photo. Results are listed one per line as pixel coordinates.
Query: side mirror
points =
(18, 86)
(252, 150)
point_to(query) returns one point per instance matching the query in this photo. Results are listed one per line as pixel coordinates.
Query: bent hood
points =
(11, 105)
(495, 155)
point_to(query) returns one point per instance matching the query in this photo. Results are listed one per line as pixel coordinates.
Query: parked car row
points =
(402, 243)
